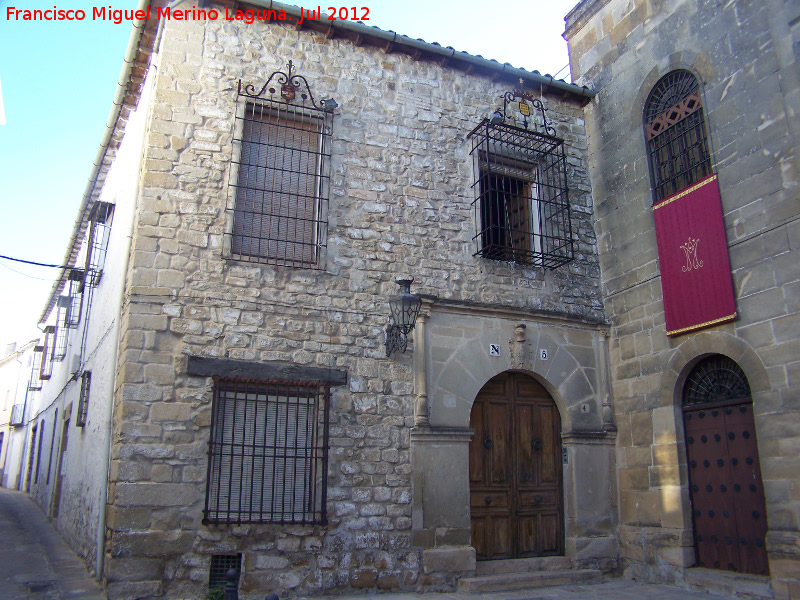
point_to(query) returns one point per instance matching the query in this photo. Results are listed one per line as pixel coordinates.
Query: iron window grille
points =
(62, 331)
(279, 188)
(47, 354)
(17, 415)
(675, 132)
(268, 453)
(99, 231)
(716, 379)
(72, 316)
(521, 204)
(35, 382)
(220, 565)
(83, 399)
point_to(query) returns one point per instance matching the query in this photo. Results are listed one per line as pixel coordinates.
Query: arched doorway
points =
(728, 507)
(515, 471)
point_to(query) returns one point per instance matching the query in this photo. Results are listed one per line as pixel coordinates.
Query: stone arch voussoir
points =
(465, 374)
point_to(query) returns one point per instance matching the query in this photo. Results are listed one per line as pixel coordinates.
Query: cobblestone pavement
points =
(36, 563)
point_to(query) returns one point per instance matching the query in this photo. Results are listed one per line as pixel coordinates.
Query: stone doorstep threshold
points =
(741, 585)
(522, 565)
(506, 582)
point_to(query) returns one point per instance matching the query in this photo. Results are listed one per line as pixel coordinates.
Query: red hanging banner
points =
(693, 257)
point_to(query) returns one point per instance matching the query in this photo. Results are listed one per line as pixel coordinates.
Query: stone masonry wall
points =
(746, 56)
(400, 203)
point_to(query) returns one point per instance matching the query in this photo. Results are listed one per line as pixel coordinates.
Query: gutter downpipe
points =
(122, 87)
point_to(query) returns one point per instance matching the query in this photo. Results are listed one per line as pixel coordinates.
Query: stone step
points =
(735, 585)
(507, 582)
(522, 565)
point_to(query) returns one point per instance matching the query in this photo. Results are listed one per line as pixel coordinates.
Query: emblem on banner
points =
(690, 250)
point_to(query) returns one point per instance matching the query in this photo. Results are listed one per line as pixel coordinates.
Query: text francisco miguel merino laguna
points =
(189, 14)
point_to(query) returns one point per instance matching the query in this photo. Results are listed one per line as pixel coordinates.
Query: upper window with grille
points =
(280, 184)
(267, 453)
(521, 204)
(675, 131)
(99, 232)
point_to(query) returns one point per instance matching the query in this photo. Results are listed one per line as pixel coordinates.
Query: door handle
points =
(537, 444)
(488, 500)
(537, 499)
(487, 442)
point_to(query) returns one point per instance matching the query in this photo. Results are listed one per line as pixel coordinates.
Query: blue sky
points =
(58, 81)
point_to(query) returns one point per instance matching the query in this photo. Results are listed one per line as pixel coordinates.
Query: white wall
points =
(91, 347)
(15, 370)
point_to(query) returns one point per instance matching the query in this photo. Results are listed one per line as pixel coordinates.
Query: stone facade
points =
(745, 57)
(400, 203)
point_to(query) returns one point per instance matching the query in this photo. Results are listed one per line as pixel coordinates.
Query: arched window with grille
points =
(677, 145)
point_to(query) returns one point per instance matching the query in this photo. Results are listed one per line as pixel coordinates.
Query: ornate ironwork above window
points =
(279, 184)
(521, 205)
(675, 132)
(716, 379)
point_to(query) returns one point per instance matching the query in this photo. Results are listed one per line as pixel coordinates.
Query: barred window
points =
(267, 453)
(83, 399)
(72, 315)
(675, 132)
(521, 200)
(46, 371)
(62, 331)
(279, 210)
(35, 382)
(99, 231)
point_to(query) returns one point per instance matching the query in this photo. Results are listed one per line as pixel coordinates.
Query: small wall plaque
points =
(494, 349)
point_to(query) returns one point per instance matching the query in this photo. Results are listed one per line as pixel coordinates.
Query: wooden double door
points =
(515, 470)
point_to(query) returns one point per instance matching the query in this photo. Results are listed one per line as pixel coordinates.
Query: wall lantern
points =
(404, 308)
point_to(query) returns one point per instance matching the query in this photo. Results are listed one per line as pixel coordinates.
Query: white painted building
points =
(17, 402)
(81, 320)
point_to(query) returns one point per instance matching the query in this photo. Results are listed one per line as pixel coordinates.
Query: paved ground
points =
(35, 563)
(612, 590)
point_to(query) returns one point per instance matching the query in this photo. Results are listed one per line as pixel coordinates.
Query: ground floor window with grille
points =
(521, 204)
(267, 453)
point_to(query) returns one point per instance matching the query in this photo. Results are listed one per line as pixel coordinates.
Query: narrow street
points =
(34, 561)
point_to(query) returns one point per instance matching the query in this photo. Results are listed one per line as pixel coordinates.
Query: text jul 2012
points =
(117, 16)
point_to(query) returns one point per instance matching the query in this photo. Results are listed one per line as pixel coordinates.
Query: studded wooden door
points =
(515, 470)
(728, 507)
